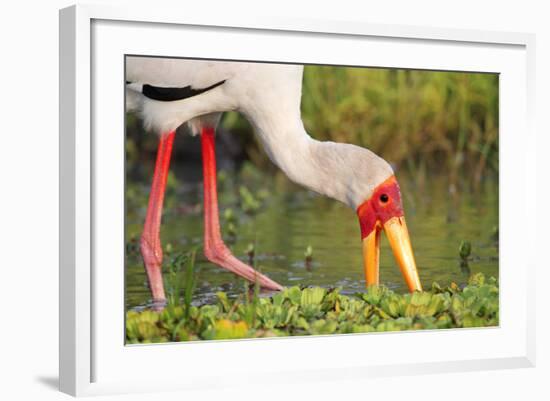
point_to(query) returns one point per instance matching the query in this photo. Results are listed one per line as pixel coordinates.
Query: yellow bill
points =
(398, 237)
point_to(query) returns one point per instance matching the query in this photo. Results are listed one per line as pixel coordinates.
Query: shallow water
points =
(290, 219)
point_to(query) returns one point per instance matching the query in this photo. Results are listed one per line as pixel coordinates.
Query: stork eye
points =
(384, 198)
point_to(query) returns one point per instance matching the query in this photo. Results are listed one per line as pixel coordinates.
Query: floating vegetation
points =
(299, 311)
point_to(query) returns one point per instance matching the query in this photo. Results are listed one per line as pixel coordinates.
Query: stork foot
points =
(218, 253)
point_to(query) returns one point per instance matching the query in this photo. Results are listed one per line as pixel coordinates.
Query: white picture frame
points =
(93, 358)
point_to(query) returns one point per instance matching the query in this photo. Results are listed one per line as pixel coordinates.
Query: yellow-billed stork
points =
(167, 93)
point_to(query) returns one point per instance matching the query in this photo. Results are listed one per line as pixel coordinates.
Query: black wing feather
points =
(171, 94)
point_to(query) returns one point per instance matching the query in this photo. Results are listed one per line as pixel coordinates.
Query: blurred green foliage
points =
(304, 311)
(417, 120)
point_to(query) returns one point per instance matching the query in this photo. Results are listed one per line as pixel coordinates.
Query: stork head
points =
(364, 181)
(383, 210)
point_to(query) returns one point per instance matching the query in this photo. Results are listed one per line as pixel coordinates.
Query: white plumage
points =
(170, 92)
(268, 95)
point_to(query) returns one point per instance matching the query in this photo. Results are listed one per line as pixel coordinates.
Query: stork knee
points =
(216, 252)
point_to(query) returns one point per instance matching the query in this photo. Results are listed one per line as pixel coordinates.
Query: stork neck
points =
(313, 164)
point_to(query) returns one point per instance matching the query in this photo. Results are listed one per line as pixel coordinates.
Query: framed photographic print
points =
(264, 191)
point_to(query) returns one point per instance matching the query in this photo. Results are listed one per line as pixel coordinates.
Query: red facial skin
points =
(374, 211)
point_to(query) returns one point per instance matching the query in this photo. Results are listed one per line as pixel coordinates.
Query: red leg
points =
(214, 248)
(151, 249)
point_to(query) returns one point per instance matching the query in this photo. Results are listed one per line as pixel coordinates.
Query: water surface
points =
(291, 218)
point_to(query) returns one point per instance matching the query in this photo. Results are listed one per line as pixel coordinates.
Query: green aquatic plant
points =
(249, 203)
(231, 222)
(296, 311)
(173, 279)
(189, 281)
(229, 215)
(250, 252)
(308, 254)
(175, 276)
(465, 250)
(232, 230)
(226, 329)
